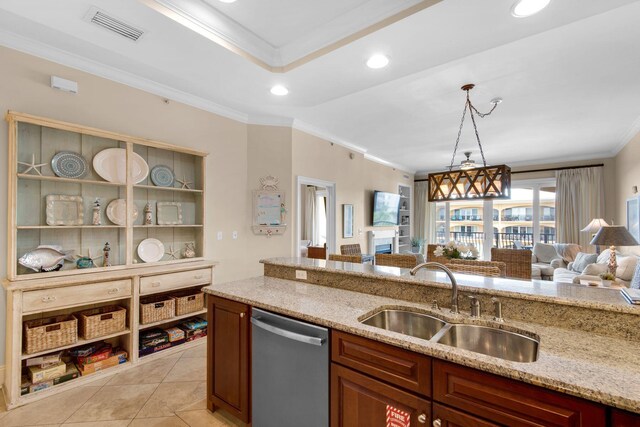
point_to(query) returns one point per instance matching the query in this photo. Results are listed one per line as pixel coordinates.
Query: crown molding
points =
(59, 56)
(311, 130)
(633, 131)
(389, 164)
(256, 119)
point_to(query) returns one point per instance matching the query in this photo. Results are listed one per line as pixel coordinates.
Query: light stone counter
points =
(595, 367)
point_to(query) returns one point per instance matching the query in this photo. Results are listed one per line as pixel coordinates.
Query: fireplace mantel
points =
(381, 236)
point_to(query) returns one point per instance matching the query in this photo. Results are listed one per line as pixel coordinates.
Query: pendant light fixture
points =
(468, 181)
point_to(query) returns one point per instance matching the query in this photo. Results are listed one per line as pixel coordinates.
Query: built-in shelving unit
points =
(404, 229)
(35, 295)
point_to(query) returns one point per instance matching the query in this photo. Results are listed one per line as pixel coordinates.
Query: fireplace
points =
(383, 242)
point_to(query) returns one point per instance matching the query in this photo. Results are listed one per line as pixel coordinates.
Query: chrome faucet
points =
(454, 284)
(475, 306)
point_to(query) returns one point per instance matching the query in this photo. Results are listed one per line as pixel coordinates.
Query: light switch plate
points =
(219, 235)
(301, 274)
(234, 235)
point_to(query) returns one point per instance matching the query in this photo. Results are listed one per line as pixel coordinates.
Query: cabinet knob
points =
(48, 298)
(241, 315)
(437, 423)
(113, 291)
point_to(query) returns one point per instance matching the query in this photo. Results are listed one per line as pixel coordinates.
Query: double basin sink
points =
(480, 339)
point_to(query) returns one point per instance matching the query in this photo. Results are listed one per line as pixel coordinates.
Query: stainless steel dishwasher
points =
(290, 372)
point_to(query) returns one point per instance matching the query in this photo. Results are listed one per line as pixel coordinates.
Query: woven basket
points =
(49, 333)
(188, 302)
(102, 321)
(155, 309)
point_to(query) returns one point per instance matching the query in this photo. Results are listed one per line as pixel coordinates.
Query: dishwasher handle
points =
(287, 334)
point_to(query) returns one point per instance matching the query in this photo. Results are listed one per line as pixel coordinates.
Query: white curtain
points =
(425, 213)
(309, 212)
(579, 199)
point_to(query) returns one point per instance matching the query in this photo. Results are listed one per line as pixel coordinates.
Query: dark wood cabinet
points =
(398, 367)
(447, 417)
(624, 419)
(360, 401)
(509, 402)
(228, 354)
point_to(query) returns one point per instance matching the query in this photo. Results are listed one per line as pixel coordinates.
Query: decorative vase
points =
(189, 250)
(95, 220)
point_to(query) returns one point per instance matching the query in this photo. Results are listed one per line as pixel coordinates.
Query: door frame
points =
(331, 211)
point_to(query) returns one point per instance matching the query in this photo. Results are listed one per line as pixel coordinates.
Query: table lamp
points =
(593, 227)
(614, 235)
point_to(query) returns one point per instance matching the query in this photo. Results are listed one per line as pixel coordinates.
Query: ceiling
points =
(568, 75)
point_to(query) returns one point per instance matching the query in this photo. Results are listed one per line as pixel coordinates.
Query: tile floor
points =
(167, 392)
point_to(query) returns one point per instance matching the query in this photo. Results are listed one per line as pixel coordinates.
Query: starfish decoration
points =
(33, 166)
(173, 254)
(184, 182)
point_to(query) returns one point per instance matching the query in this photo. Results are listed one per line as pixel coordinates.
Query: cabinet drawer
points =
(399, 367)
(75, 295)
(167, 282)
(451, 418)
(509, 402)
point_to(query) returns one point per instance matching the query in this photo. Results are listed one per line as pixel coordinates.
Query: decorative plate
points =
(151, 250)
(67, 164)
(64, 210)
(162, 176)
(117, 212)
(169, 213)
(111, 165)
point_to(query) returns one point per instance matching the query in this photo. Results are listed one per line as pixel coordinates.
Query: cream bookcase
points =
(33, 295)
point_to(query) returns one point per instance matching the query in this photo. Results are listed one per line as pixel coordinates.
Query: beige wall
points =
(355, 180)
(627, 175)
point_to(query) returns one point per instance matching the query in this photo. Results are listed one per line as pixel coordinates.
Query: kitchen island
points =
(588, 338)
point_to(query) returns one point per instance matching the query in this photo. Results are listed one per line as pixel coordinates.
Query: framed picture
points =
(347, 221)
(633, 217)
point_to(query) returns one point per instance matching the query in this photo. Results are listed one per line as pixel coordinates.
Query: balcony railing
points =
(466, 218)
(500, 240)
(507, 218)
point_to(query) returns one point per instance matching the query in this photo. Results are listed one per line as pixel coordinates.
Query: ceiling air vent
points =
(115, 25)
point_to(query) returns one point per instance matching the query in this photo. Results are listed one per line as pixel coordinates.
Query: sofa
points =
(546, 258)
(576, 271)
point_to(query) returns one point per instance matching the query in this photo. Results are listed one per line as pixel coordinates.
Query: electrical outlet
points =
(219, 235)
(234, 235)
(301, 274)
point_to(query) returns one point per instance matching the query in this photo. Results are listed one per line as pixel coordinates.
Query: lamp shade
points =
(595, 225)
(614, 235)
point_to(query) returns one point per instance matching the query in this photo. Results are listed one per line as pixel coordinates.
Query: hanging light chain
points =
(472, 110)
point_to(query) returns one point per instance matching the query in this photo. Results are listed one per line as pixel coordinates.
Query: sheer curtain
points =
(579, 199)
(425, 214)
(309, 212)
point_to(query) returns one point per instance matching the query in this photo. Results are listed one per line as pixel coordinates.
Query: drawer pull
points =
(198, 276)
(155, 284)
(422, 418)
(436, 422)
(48, 298)
(113, 291)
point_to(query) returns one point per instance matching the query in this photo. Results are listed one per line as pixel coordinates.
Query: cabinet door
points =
(624, 419)
(228, 362)
(360, 401)
(447, 417)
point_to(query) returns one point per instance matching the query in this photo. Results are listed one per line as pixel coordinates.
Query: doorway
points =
(316, 215)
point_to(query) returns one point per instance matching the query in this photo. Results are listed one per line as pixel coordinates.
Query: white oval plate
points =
(151, 250)
(117, 212)
(111, 165)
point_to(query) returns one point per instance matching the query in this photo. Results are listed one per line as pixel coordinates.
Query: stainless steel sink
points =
(406, 322)
(491, 341)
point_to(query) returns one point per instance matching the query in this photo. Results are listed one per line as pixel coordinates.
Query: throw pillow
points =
(545, 253)
(635, 282)
(582, 260)
(603, 258)
(595, 269)
(626, 267)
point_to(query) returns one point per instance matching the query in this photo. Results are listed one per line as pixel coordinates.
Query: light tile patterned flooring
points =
(167, 392)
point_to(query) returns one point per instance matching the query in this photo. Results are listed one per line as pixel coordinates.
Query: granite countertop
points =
(608, 299)
(597, 368)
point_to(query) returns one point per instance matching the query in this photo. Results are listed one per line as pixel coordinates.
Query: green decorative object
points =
(85, 262)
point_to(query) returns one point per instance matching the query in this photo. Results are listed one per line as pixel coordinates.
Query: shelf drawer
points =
(394, 365)
(70, 296)
(167, 282)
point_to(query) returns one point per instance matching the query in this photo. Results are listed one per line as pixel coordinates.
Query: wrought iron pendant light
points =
(469, 181)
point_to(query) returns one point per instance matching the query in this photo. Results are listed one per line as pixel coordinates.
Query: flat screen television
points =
(385, 208)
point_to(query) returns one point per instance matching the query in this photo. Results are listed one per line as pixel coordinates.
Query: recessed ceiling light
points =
(525, 8)
(279, 90)
(378, 61)
(227, 1)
